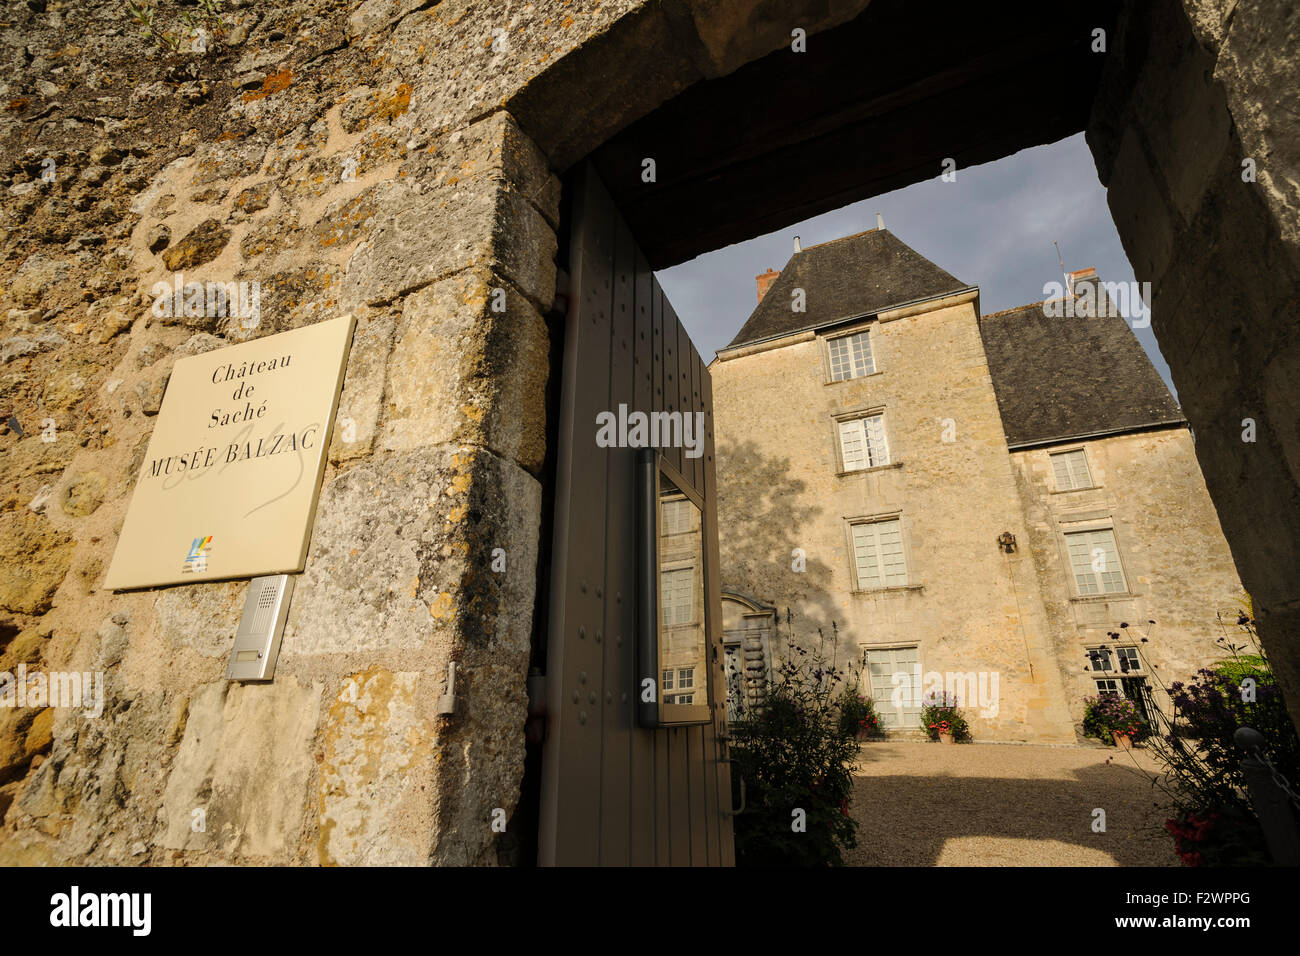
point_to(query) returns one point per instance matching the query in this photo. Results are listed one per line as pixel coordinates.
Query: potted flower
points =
(858, 717)
(1114, 720)
(941, 720)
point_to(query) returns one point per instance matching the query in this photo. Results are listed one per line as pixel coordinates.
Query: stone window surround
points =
(1098, 520)
(864, 324)
(1051, 471)
(1114, 670)
(885, 409)
(914, 582)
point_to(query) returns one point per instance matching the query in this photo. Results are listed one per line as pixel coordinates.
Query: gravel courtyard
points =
(927, 804)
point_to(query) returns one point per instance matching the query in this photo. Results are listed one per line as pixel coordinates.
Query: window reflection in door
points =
(682, 641)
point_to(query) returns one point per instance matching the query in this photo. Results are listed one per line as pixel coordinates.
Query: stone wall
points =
(1194, 133)
(348, 157)
(1148, 487)
(969, 606)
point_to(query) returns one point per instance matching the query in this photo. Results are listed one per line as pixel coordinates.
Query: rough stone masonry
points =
(370, 157)
(347, 157)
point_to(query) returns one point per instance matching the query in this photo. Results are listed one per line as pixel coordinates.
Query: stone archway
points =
(1183, 103)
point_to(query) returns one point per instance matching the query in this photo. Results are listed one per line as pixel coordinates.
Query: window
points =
(678, 586)
(685, 678)
(851, 356)
(680, 699)
(1095, 562)
(894, 675)
(1099, 657)
(668, 680)
(677, 516)
(862, 443)
(1108, 688)
(1126, 659)
(878, 554)
(1071, 470)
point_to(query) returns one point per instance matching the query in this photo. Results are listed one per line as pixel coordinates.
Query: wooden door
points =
(614, 793)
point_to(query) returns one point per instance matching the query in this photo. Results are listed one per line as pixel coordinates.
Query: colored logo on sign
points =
(197, 559)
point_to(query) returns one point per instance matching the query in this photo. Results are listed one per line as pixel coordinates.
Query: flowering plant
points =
(857, 713)
(939, 715)
(1110, 714)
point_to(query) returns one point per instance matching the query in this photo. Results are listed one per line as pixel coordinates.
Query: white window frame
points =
(1070, 470)
(876, 524)
(686, 678)
(1117, 690)
(682, 510)
(666, 678)
(871, 437)
(1134, 659)
(676, 621)
(1096, 577)
(852, 366)
(892, 717)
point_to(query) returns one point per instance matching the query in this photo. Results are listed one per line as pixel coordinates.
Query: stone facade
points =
(968, 603)
(1147, 487)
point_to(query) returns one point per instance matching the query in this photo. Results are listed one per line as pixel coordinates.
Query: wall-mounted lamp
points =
(1007, 542)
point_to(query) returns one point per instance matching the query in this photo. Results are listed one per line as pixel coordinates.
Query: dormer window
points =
(851, 356)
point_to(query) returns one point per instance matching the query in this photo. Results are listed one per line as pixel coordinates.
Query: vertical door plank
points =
(662, 781)
(571, 757)
(641, 799)
(620, 572)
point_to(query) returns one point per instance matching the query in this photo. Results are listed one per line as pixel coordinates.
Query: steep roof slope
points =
(1062, 378)
(858, 275)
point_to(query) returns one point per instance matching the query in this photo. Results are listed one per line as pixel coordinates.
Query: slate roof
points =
(843, 279)
(1064, 378)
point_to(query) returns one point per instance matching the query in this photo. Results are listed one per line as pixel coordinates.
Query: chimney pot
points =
(797, 248)
(880, 221)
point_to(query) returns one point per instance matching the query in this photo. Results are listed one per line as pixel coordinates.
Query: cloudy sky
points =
(993, 227)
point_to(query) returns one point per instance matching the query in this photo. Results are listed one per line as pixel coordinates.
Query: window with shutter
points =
(851, 356)
(1070, 469)
(863, 444)
(878, 554)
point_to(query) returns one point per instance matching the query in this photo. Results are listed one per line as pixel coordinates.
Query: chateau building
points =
(940, 499)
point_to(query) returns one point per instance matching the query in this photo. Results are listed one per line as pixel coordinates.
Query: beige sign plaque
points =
(229, 483)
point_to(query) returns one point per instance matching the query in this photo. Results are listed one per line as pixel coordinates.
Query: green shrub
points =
(1213, 821)
(857, 713)
(791, 755)
(939, 712)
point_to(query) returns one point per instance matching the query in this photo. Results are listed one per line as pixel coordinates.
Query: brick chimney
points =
(1080, 275)
(765, 281)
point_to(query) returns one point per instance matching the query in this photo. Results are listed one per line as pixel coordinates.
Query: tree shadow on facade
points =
(764, 530)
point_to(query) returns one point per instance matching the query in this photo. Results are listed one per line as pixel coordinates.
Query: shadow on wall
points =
(766, 532)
